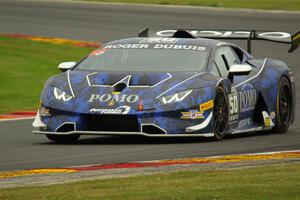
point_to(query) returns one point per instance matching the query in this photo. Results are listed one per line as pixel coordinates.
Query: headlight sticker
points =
(61, 95)
(177, 97)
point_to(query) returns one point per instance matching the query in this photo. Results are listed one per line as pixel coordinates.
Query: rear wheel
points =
(283, 106)
(63, 138)
(221, 114)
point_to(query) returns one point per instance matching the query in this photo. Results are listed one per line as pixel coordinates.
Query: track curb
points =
(236, 158)
(20, 115)
(23, 115)
(53, 40)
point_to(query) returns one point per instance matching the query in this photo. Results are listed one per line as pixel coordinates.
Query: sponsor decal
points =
(207, 105)
(192, 114)
(199, 33)
(159, 40)
(233, 107)
(245, 122)
(44, 112)
(179, 47)
(116, 93)
(124, 98)
(247, 98)
(241, 102)
(122, 110)
(127, 46)
(111, 103)
(155, 46)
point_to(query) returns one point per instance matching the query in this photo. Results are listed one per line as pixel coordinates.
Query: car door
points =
(243, 96)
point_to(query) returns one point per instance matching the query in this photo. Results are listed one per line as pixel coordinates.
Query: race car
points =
(178, 83)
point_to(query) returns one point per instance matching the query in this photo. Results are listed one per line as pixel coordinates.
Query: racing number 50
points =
(234, 107)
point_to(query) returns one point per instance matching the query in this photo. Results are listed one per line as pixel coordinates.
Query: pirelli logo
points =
(207, 105)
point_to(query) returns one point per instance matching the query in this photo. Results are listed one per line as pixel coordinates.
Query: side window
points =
(231, 57)
(224, 58)
(215, 70)
(240, 54)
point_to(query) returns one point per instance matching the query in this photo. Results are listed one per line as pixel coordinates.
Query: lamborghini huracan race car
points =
(179, 83)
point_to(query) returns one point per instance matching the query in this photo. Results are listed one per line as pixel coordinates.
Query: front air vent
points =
(66, 127)
(120, 87)
(152, 129)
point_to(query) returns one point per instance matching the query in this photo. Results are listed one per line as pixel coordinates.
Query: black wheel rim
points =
(285, 105)
(220, 114)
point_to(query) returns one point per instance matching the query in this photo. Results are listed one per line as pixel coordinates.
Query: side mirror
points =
(65, 66)
(240, 69)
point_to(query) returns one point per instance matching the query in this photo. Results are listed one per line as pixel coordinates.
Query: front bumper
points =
(146, 124)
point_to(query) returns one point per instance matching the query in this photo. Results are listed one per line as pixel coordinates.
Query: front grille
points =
(119, 123)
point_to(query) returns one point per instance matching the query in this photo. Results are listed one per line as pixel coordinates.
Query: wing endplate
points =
(295, 40)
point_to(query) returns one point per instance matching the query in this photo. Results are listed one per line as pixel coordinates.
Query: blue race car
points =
(179, 83)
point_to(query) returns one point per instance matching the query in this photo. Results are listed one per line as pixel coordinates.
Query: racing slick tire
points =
(63, 138)
(220, 114)
(284, 104)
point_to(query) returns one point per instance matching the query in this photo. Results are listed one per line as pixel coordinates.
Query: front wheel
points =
(63, 138)
(284, 103)
(221, 114)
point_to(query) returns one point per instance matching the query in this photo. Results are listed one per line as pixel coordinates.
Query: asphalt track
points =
(104, 22)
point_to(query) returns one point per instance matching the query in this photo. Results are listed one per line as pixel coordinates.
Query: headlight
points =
(175, 97)
(61, 95)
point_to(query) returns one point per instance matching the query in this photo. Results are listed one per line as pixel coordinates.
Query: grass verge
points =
(252, 4)
(272, 182)
(25, 66)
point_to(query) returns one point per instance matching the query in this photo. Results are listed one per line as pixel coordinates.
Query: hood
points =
(98, 89)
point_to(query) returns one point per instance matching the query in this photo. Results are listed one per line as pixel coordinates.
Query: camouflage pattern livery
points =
(89, 102)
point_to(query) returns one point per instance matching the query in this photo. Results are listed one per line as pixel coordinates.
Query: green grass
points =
(272, 182)
(252, 4)
(24, 68)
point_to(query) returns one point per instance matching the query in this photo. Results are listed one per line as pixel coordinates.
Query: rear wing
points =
(249, 35)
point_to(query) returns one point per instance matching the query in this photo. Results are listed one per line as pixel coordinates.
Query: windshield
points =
(146, 57)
